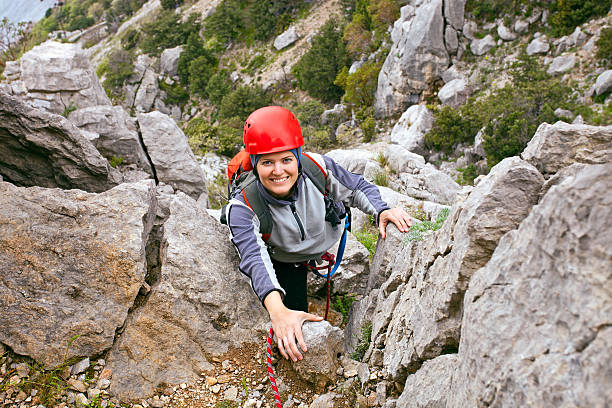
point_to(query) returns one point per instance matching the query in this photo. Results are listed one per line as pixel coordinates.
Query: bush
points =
(193, 49)
(566, 15)
(171, 4)
(241, 102)
(116, 68)
(361, 85)
(176, 94)
(604, 47)
(166, 31)
(200, 71)
(218, 86)
(226, 22)
(316, 71)
(357, 36)
(130, 39)
(418, 230)
(369, 129)
(309, 113)
(489, 10)
(224, 138)
(384, 13)
(451, 127)
(363, 342)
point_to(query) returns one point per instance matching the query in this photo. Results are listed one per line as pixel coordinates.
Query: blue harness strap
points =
(339, 255)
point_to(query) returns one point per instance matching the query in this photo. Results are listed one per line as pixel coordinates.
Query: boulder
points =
(454, 94)
(116, 133)
(58, 76)
(147, 92)
(416, 60)
(42, 149)
(174, 162)
(409, 132)
(577, 38)
(454, 13)
(354, 160)
(603, 83)
(430, 386)
(168, 61)
(427, 319)
(187, 316)
(561, 65)
(451, 40)
(482, 46)
(427, 183)
(538, 46)
(505, 33)
(536, 325)
(72, 265)
(521, 26)
(286, 39)
(556, 146)
(320, 362)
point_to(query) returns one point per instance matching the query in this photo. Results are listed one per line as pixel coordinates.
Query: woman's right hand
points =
(287, 326)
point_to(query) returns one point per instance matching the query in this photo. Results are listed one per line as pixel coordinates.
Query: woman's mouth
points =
(279, 180)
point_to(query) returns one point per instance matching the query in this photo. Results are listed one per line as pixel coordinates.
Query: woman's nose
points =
(278, 168)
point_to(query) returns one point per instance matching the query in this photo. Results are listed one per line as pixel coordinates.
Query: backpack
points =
(241, 178)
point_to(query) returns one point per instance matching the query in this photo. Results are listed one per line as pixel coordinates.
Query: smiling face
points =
(278, 172)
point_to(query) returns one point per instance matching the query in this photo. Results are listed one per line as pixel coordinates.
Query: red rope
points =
(271, 369)
(330, 263)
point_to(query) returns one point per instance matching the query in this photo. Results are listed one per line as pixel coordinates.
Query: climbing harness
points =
(332, 267)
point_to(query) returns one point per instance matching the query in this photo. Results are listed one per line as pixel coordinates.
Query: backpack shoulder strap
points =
(314, 172)
(253, 199)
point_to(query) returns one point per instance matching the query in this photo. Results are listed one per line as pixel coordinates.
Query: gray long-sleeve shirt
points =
(288, 242)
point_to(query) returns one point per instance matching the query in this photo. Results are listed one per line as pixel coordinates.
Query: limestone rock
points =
(168, 61)
(116, 133)
(72, 264)
(527, 328)
(482, 46)
(286, 39)
(505, 33)
(410, 130)
(556, 146)
(187, 314)
(427, 319)
(561, 65)
(416, 60)
(42, 149)
(454, 12)
(175, 163)
(603, 83)
(147, 92)
(321, 360)
(538, 46)
(430, 386)
(58, 76)
(454, 93)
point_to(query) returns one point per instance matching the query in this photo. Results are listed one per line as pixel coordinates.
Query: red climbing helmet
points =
(271, 129)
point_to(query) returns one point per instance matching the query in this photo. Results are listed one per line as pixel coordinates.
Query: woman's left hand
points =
(397, 216)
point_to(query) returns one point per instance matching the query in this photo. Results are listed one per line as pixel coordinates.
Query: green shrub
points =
(363, 342)
(357, 35)
(316, 139)
(130, 39)
(451, 127)
(242, 101)
(317, 69)
(566, 15)
(226, 22)
(384, 13)
(368, 238)
(116, 68)
(467, 174)
(203, 137)
(166, 31)
(200, 71)
(193, 49)
(270, 17)
(218, 86)
(171, 4)
(604, 47)
(176, 94)
(309, 113)
(489, 10)
(361, 85)
(369, 129)
(342, 304)
(417, 231)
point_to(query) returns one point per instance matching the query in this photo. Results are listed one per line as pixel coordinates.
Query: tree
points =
(14, 38)
(241, 102)
(316, 71)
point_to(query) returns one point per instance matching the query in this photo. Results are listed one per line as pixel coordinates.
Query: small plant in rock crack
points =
(417, 231)
(363, 342)
(116, 161)
(342, 304)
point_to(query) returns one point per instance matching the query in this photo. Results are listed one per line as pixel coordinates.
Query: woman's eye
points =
(287, 160)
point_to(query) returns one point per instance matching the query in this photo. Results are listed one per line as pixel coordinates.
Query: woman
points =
(300, 228)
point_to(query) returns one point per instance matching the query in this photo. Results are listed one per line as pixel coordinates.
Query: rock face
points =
(175, 163)
(427, 319)
(417, 58)
(114, 133)
(286, 39)
(410, 130)
(454, 93)
(429, 387)
(556, 146)
(187, 315)
(47, 150)
(57, 77)
(537, 317)
(72, 264)
(168, 61)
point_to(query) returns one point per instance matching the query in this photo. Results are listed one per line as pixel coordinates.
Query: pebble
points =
(231, 394)
(223, 379)
(81, 366)
(77, 385)
(81, 399)
(103, 383)
(216, 388)
(211, 381)
(22, 370)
